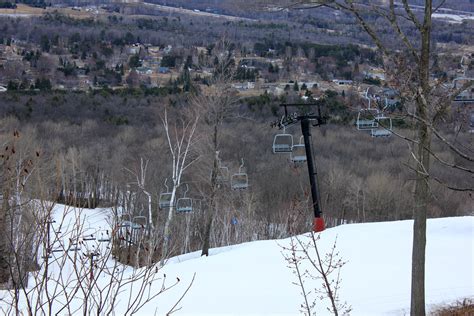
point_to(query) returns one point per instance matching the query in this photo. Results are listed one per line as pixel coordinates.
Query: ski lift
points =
(184, 204)
(222, 171)
(384, 128)
(298, 155)
(222, 174)
(125, 221)
(165, 198)
(74, 246)
(104, 238)
(56, 249)
(88, 238)
(240, 180)
(139, 222)
(366, 118)
(283, 143)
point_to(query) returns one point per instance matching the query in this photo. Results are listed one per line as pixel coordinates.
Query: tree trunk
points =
(211, 210)
(166, 233)
(207, 235)
(422, 192)
(6, 183)
(4, 244)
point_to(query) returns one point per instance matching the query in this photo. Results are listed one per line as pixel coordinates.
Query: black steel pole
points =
(318, 224)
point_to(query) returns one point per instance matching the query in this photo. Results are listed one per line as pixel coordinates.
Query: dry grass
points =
(460, 308)
(25, 10)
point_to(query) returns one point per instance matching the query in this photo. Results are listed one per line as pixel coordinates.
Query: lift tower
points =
(307, 119)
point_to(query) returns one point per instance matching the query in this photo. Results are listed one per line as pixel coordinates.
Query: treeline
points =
(7, 5)
(87, 157)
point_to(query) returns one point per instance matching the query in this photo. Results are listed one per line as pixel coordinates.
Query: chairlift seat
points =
(222, 175)
(165, 200)
(184, 205)
(385, 127)
(58, 249)
(366, 124)
(282, 143)
(125, 220)
(74, 248)
(367, 119)
(380, 133)
(139, 222)
(299, 154)
(240, 181)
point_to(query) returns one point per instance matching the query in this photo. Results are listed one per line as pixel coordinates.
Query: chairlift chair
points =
(88, 238)
(56, 249)
(165, 200)
(366, 119)
(384, 128)
(74, 247)
(139, 222)
(282, 143)
(380, 132)
(125, 221)
(103, 239)
(222, 174)
(184, 204)
(298, 155)
(240, 180)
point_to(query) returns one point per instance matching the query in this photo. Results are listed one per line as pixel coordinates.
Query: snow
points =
(453, 18)
(253, 278)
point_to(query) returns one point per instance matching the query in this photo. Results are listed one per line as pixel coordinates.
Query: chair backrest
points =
(165, 200)
(282, 143)
(240, 181)
(184, 205)
(139, 222)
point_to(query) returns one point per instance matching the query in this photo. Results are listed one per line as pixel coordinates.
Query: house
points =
(310, 84)
(144, 70)
(373, 74)
(343, 82)
(276, 90)
(163, 70)
(133, 50)
(244, 86)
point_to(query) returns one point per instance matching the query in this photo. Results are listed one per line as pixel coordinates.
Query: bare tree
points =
(216, 105)
(180, 138)
(76, 273)
(323, 268)
(140, 177)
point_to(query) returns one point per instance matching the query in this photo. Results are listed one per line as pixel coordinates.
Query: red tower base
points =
(318, 224)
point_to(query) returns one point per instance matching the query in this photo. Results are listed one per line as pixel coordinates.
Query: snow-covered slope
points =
(253, 278)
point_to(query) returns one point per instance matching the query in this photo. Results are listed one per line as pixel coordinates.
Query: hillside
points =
(253, 278)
